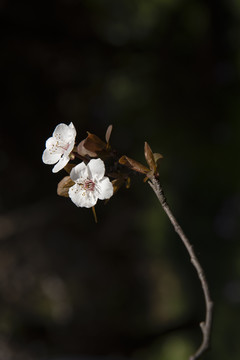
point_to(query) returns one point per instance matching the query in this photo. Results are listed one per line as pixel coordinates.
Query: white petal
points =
(97, 169)
(66, 133)
(71, 126)
(70, 147)
(60, 165)
(79, 172)
(81, 197)
(105, 188)
(52, 145)
(72, 131)
(60, 130)
(49, 158)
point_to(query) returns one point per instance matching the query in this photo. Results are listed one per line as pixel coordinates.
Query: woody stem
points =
(206, 325)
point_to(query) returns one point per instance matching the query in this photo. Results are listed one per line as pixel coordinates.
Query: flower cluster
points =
(86, 182)
(89, 180)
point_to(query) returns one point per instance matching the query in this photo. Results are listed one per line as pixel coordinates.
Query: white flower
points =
(59, 146)
(90, 184)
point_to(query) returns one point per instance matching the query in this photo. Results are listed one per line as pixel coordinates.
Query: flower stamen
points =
(65, 146)
(89, 185)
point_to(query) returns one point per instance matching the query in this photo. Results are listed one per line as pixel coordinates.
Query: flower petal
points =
(105, 188)
(81, 197)
(66, 133)
(70, 147)
(60, 165)
(50, 158)
(52, 146)
(97, 169)
(79, 172)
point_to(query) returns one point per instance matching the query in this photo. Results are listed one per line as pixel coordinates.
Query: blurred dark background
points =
(162, 71)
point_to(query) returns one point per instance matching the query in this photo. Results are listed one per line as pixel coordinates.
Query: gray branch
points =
(207, 323)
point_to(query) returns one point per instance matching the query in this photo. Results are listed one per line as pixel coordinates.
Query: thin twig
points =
(94, 214)
(207, 323)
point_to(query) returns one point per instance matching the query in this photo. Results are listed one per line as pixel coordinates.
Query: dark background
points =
(162, 71)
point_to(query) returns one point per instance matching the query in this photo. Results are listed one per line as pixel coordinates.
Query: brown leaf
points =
(150, 157)
(133, 164)
(94, 143)
(157, 157)
(81, 149)
(64, 185)
(108, 133)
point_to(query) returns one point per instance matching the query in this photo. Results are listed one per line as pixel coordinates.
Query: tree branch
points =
(207, 323)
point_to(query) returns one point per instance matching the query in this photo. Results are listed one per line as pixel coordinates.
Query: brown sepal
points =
(69, 167)
(64, 185)
(117, 183)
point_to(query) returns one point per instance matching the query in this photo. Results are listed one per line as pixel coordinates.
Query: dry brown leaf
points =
(150, 157)
(81, 149)
(64, 185)
(133, 164)
(94, 143)
(157, 157)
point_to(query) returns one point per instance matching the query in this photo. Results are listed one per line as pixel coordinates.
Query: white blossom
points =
(59, 146)
(90, 184)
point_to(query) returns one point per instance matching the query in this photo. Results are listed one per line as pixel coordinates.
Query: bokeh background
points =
(162, 71)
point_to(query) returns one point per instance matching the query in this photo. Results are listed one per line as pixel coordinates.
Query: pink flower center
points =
(89, 185)
(65, 146)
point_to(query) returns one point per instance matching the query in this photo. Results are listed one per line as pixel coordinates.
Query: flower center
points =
(58, 144)
(89, 185)
(65, 146)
